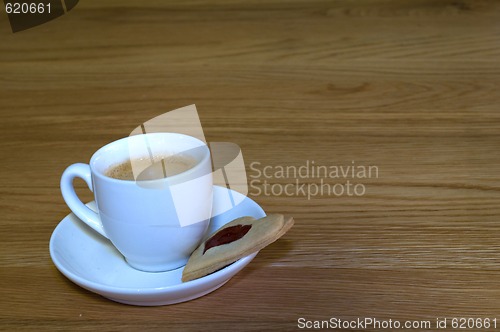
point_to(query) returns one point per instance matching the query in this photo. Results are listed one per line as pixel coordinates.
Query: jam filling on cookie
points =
(226, 235)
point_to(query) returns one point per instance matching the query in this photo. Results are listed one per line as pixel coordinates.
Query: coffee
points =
(155, 225)
(160, 168)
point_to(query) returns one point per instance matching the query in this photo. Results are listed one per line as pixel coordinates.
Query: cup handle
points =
(74, 203)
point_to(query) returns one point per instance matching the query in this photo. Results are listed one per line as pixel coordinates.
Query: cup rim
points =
(170, 178)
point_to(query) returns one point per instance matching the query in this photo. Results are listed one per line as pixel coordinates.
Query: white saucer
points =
(91, 261)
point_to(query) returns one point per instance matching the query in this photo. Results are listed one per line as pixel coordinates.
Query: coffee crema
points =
(160, 168)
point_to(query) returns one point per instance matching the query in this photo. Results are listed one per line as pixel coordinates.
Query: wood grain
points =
(408, 86)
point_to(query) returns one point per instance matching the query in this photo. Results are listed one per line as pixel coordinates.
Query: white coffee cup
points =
(155, 224)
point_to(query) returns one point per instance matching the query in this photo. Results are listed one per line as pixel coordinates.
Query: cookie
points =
(233, 241)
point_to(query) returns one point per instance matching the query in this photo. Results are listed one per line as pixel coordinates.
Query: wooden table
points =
(410, 87)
